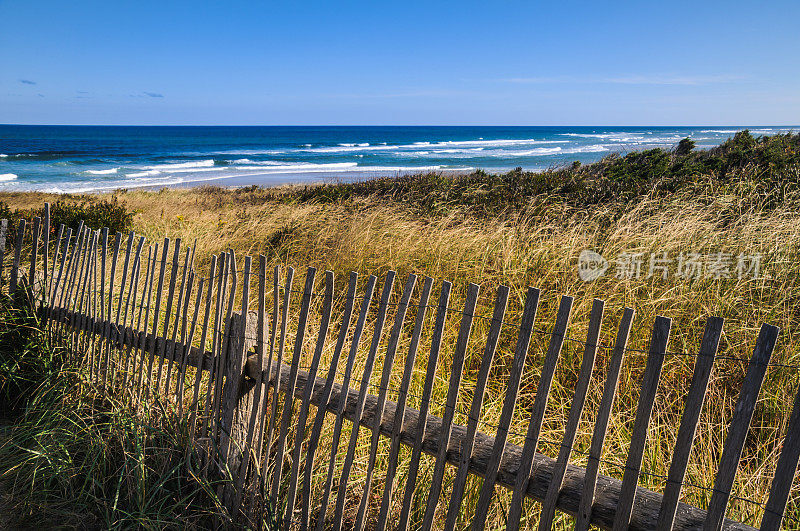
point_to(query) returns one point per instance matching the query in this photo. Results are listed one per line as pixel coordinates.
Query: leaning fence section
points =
(287, 382)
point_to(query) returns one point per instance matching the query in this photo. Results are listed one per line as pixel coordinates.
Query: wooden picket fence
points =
(248, 400)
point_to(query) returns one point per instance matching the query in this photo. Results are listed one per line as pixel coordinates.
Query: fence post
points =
(236, 402)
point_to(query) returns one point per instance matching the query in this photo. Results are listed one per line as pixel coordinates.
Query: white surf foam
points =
(110, 171)
(6, 177)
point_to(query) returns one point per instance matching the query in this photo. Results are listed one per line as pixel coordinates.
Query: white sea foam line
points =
(6, 177)
(181, 165)
(143, 183)
(109, 171)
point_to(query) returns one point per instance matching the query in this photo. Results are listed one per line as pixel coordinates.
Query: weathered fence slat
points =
(402, 397)
(784, 473)
(222, 438)
(252, 427)
(216, 341)
(54, 279)
(457, 368)
(272, 337)
(35, 235)
(362, 396)
(316, 430)
(299, 437)
(198, 376)
(369, 290)
(129, 378)
(575, 411)
(46, 249)
(124, 353)
(17, 255)
(287, 292)
(142, 346)
(233, 406)
(425, 401)
(691, 415)
(184, 352)
(482, 380)
(584, 516)
(111, 277)
(179, 318)
(509, 403)
(297, 353)
(156, 319)
(3, 236)
(740, 423)
(538, 409)
(644, 411)
(162, 360)
(388, 362)
(54, 313)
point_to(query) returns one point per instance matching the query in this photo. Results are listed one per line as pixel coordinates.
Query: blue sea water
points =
(93, 158)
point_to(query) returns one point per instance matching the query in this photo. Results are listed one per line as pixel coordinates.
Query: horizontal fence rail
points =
(258, 383)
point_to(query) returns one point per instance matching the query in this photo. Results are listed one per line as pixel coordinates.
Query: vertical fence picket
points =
(400, 409)
(178, 320)
(362, 397)
(287, 289)
(388, 362)
(116, 339)
(644, 410)
(123, 351)
(136, 325)
(216, 341)
(537, 411)
(69, 281)
(740, 424)
(164, 348)
(46, 252)
(3, 237)
(425, 402)
(221, 438)
(35, 235)
(202, 362)
(575, 411)
(259, 383)
(142, 347)
(493, 337)
(58, 290)
(230, 423)
(51, 285)
(79, 288)
(306, 399)
(784, 472)
(272, 337)
(369, 289)
(297, 353)
(509, 403)
(109, 325)
(456, 369)
(17, 255)
(316, 430)
(691, 415)
(584, 516)
(156, 319)
(186, 341)
(103, 317)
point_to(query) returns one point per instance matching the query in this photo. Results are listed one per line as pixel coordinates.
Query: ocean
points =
(74, 159)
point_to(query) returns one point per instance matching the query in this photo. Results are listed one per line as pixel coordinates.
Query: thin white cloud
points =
(630, 79)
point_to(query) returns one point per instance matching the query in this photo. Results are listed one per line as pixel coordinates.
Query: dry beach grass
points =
(537, 244)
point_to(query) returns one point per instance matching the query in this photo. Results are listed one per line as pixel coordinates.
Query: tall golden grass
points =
(519, 249)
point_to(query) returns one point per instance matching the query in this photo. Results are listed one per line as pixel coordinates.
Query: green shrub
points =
(109, 213)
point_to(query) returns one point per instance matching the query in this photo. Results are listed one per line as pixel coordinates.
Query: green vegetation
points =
(767, 169)
(96, 213)
(75, 459)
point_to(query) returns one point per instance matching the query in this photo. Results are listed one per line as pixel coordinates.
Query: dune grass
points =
(525, 230)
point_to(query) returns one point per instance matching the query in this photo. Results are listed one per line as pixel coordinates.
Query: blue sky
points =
(347, 62)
